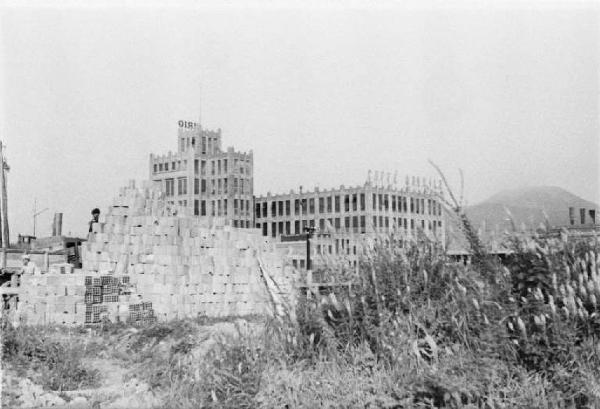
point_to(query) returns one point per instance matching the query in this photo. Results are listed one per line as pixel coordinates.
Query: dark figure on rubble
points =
(95, 216)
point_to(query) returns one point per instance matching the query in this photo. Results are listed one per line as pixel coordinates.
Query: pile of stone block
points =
(72, 298)
(146, 261)
(52, 299)
(184, 265)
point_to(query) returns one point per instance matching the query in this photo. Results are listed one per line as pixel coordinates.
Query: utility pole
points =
(36, 213)
(309, 232)
(4, 234)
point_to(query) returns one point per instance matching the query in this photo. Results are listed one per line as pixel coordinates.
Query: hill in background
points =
(529, 206)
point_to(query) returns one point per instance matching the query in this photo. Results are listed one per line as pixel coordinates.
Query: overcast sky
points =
(320, 93)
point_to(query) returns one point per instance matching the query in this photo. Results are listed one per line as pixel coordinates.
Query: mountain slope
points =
(529, 206)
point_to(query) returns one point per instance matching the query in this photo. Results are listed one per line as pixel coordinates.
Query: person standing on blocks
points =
(95, 216)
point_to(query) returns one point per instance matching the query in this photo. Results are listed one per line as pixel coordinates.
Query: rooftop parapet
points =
(413, 185)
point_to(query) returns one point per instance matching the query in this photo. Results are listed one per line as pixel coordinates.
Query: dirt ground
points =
(119, 386)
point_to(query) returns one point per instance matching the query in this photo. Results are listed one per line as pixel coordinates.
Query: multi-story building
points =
(202, 179)
(345, 216)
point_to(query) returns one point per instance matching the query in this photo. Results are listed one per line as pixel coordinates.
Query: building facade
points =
(343, 217)
(202, 179)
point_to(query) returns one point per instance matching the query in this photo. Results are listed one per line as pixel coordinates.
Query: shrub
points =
(57, 363)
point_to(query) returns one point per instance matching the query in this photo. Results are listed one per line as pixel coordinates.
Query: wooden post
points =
(4, 234)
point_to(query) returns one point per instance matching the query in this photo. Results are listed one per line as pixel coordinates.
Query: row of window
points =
(221, 186)
(351, 202)
(206, 142)
(218, 186)
(172, 166)
(216, 166)
(181, 186)
(220, 167)
(382, 202)
(356, 224)
(218, 207)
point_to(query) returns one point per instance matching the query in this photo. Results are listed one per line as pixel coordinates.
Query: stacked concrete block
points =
(183, 265)
(77, 299)
(52, 299)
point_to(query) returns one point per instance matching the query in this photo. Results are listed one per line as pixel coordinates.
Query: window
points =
(169, 187)
(280, 226)
(256, 208)
(380, 201)
(280, 206)
(355, 202)
(322, 224)
(374, 201)
(196, 166)
(393, 203)
(155, 168)
(362, 223)
(273, 229)
(203, 208)
(212, 167)
(347, 222)
(273, 209)
(329, 204)
(196, 207)
(203, 186)
(167, 167)
(196, 186)
(362, 201)
(296, 206)
(412, 205)
(203, 167)
(355, 222)
(337, 223)
(297, 227)
(347, 203)
(219, 167)
(311, 206)
(264, 229)
(235, 206)
(287, 227)
(224, 165)
(386, 202)
(264, 209)
(224, 207)
(337, 204)
(287, 207)
(321, 205)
